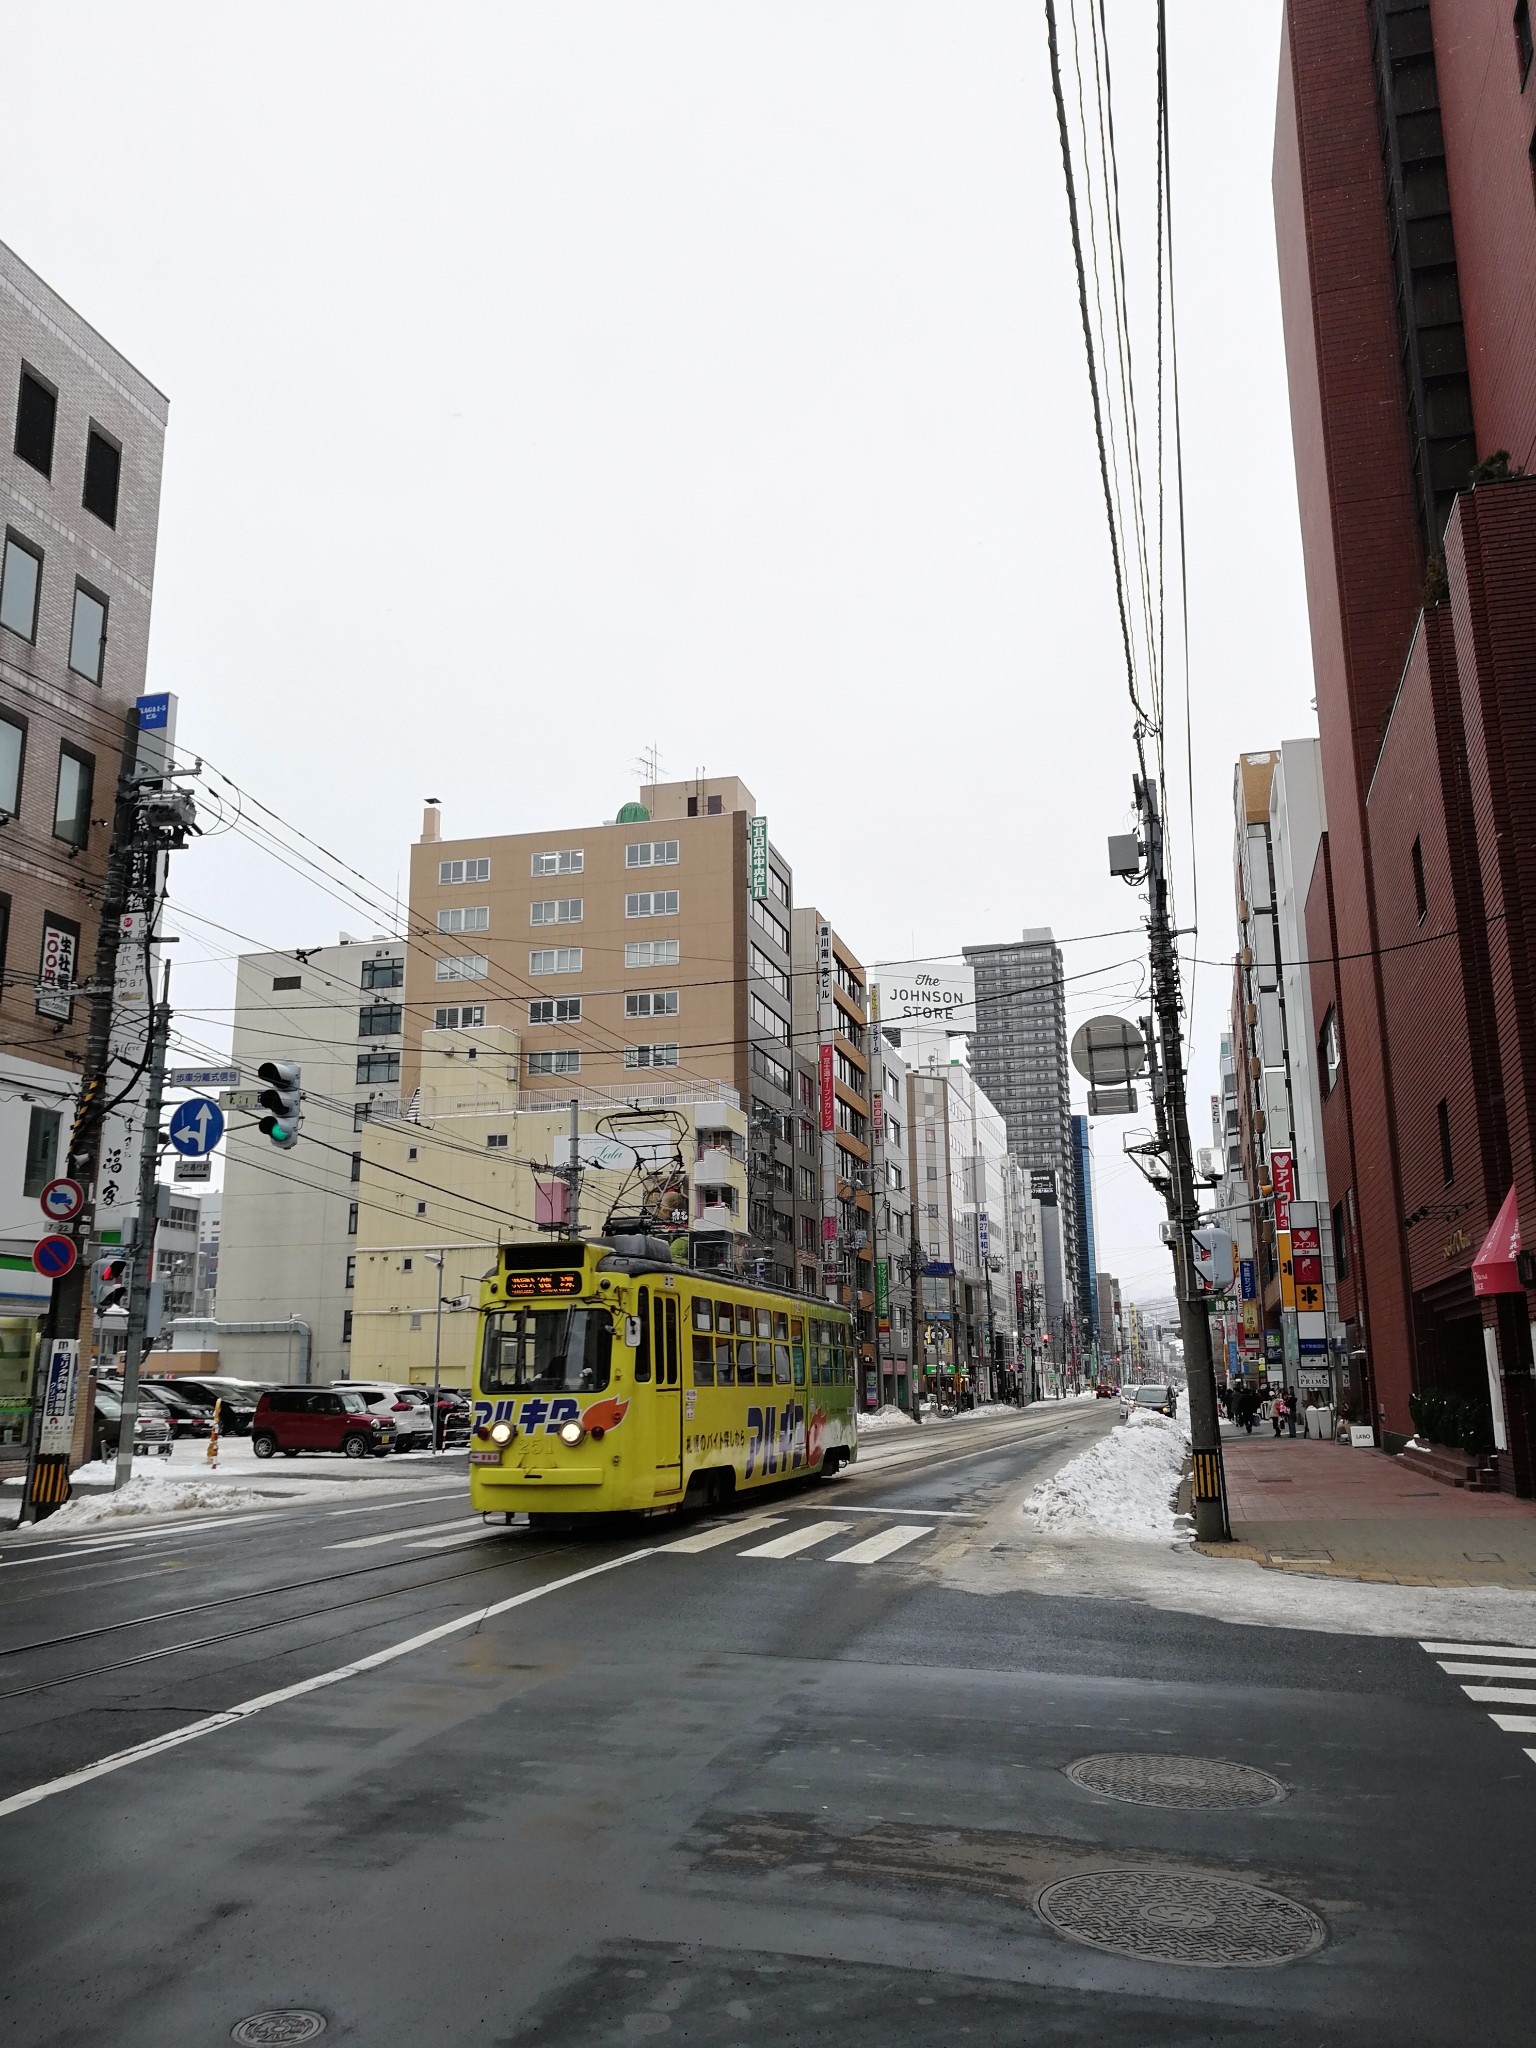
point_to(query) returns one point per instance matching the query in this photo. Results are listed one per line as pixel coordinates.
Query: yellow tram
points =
(611, 1380)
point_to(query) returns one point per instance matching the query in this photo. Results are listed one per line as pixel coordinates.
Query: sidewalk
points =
(1321, 1508)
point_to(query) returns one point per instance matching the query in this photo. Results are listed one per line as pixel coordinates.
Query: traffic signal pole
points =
(144, 1238)
(1179, 1191)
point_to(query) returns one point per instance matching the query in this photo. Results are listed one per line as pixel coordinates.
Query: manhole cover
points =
(1192, 1781)
(1206, 1922)
(277, 2029)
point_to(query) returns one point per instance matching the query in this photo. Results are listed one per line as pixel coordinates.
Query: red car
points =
(294, 1419)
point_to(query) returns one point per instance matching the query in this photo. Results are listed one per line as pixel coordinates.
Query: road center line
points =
(231, 1716)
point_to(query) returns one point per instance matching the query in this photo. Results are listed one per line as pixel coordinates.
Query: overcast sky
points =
(551, 380)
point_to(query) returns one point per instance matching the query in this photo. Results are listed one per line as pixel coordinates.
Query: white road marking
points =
(477, 1534)
(797, 1540)
(247, 1708)
(1501, 1695)
(9, 1564)
(1500, 1650)
(707, 1539)
(377, 1507)
(1515, 1724)
(928, 1514)
(1518, 1671)
(881, 1544)
(459, 1522)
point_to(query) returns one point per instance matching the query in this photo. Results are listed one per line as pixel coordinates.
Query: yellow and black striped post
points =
(1209, 1484)
(50, 1484)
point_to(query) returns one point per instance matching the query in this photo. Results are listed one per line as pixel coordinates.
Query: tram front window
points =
(547, 1350)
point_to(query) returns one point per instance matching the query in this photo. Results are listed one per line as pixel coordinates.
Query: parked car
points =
(294, 1419)
(1163, 1400)
(455, 1414)
(409, 1408)
(151, 1428)
(186, 1418)
(238, 1396)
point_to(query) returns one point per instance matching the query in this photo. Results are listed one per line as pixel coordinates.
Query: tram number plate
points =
(485, 1457)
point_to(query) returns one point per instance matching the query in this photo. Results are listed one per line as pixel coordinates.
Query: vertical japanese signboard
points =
(828, 1093)
(1282, 1172)
(56, 968)
(757, 856)
(883, 1292)
(59, 1396)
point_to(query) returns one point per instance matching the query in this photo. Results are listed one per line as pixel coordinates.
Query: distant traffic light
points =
(109, 1279)
(283, 1100)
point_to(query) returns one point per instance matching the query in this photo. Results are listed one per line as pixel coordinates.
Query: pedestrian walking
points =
(1290, 1413)
(1278, 1412)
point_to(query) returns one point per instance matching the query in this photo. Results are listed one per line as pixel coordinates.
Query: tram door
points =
(669, 1395)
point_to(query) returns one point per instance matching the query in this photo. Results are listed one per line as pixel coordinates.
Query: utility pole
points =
(143, 1259)
(1179, 1191)
(573, 1172)
(919, 1328)
(437, 1352)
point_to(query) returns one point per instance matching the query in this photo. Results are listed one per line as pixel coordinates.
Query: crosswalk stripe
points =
(873, 1548)
(707, 1539)
(399, 1535)
(475, 1535)
(1516, 1671)
(1515, 1724)
(1501, 1695)
(1500, 1650)
(798, 1539)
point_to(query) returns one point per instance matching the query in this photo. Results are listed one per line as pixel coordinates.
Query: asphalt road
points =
(747, 1780)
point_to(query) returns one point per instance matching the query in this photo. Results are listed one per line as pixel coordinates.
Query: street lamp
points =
(437, 1353)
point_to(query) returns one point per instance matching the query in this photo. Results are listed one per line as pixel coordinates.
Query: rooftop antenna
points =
(648, 767)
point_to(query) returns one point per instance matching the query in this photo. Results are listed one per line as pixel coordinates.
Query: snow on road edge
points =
(1124, 1483)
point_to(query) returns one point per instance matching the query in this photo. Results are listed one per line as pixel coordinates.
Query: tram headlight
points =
(571, 1433)
(501, 1432)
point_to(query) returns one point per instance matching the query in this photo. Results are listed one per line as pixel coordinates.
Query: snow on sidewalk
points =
(1124, 1483)
(151, 1493)
(883, 1419)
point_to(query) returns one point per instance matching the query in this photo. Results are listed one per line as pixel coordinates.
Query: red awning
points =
(1493, 1270)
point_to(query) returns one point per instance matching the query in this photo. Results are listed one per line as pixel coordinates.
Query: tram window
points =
(551, 1350)
(799, 1366)
(643, 1348)
(743, 1320)
(725, 1364)
(796, 1329)
(762, 1323)
(703, 1360)
(674, 1361)
(746, 1366)
(703, 1314)
(781, 1326)
(725, 1318)
(781, 1364)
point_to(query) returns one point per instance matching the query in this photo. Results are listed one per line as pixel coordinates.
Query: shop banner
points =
(59, 1394)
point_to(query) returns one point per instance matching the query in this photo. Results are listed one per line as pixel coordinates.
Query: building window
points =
(778, 886)
(380, 1020)
(555, 1010)
(650, 1055)
(558, 910)
(13, 742)
(807, 1091)
(88, 634)
(474, 917)
(561, 1062)
(421, 1208)
(807, 1184)
(555, 960)
(378, 1066)
(103, 468)
(287, 981)
(810, 1138)
(1419, 895)
(652, 853)
(357, 1166)
(351, 1219)
(458, 1017)
(72, 800)
(1443, 1119)
(651, 1002)
(37, 408)
(496, 1141)
(767, 1068)
(463, 967)
(384, 974)
(652, 903)
(570, 862)
(1523, 47)
(652, 953)
(1340, 1247)
(19, 581)
(768, 970)
(351, 1279)
(764, 918)
(767, 1020)
(464, 870)
(346, 1326)
(42, 1149)
(1328, 1050)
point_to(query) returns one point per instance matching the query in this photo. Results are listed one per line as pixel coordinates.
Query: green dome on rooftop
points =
(633, 814)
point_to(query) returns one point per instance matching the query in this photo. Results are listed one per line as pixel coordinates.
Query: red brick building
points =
(1405, 204)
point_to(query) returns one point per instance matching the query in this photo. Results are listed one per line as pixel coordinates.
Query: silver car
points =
(408, 1408)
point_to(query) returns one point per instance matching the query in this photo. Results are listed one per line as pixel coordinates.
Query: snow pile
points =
(889, 1417)
(1124, 1484)
(148, 1493)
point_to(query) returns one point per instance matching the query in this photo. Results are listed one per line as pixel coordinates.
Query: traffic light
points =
(109, 1279)
(283, 1100)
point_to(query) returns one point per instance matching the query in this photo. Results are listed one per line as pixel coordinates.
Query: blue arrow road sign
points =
(196, 1126)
